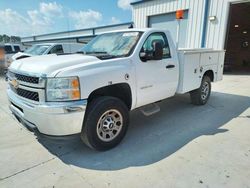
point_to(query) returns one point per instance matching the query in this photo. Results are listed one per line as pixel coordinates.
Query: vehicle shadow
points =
(151, 139)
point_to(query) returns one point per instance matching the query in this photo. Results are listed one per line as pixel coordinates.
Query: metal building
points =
(78, 36)
(217, 24)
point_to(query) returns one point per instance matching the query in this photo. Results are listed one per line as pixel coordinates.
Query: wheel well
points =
(210, 74)
(121, 91)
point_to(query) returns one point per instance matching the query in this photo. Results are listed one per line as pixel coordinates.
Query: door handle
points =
(170, 66)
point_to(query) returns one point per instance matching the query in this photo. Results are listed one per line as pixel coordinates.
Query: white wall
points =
(143, 10)
(216, 30)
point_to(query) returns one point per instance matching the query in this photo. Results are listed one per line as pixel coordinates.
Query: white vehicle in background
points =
(48, 48)
(92, 92)
(9, 50)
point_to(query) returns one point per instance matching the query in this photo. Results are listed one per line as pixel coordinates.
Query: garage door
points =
(169, 22)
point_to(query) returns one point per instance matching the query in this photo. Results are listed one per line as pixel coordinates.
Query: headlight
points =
(63, 89)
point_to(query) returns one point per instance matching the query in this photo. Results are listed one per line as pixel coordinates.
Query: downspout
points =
(205, 22)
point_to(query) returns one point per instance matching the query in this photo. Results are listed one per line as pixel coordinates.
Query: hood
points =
(50, 64)
(19, 54)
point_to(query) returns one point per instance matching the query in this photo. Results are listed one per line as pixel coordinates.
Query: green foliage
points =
(7, 39)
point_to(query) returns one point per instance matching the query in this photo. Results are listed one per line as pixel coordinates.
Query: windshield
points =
(110, 45)
(37, 49)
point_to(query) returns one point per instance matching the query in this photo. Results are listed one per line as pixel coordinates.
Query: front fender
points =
(105, 73)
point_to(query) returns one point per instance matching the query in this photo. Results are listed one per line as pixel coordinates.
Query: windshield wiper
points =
(93, 52)
(80, 52)
(109, 56)
(100, 54)
(97, 52)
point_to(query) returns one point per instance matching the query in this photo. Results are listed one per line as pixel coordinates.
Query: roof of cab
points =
(138, 30)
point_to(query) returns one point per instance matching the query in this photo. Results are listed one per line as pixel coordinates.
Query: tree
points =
(6, 39)
(15, 39)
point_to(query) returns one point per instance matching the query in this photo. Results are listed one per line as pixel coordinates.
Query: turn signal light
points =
(75, 83)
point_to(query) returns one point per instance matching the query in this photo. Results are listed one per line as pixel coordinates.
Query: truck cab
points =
(92, 92)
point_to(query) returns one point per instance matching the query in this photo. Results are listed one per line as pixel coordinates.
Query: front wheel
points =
(201, 95)
(106, 122)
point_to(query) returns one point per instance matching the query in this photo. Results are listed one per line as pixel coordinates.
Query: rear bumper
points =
(54, 119)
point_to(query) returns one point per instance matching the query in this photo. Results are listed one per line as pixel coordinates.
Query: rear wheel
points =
(201, 95)
(106, 122)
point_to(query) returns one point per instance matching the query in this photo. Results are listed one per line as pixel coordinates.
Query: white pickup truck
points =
(47, 48)
(93, 91)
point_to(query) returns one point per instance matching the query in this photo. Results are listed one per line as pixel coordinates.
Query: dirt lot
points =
(182, 146)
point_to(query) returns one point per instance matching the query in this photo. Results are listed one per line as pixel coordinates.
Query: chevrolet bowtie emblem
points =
(14, 83)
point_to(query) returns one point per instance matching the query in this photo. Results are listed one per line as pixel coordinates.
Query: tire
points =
(105, 124)
(201, 95)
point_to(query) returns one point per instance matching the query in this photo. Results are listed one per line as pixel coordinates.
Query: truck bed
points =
(193, 63)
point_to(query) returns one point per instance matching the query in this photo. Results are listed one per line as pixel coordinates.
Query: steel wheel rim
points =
(109, 125)
(205, 90)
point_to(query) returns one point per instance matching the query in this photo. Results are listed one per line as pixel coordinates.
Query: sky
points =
(34, 17)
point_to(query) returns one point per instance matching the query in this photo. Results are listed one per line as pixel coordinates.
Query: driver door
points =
(156, 79)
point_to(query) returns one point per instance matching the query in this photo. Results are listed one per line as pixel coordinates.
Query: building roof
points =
(86, 29)
(139, 2)
(74, 34)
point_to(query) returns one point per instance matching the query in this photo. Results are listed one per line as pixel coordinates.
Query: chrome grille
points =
(31, 95)
(24, 78)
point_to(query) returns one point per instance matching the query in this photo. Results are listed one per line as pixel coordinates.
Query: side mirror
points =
(158, 51)
(155, 54)
(144, 56)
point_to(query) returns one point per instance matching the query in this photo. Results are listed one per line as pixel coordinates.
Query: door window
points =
(157, 37)
(58, 49)
(17, 48)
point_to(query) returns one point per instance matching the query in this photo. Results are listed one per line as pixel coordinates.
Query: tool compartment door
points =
(189, 77)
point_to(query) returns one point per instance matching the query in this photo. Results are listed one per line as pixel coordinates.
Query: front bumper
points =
(54, 119)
